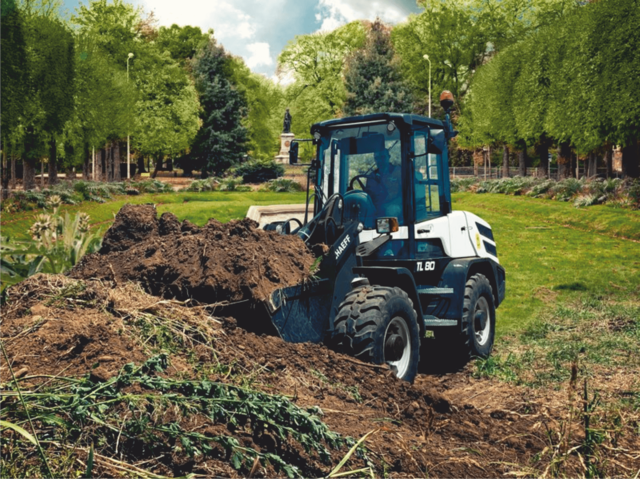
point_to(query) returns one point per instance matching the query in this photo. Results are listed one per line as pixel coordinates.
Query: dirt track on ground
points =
(448, 425)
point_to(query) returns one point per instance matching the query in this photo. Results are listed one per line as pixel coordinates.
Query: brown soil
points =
(217, 263)
(441, 426)
(46, 334)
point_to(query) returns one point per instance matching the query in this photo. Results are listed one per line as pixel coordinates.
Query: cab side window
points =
(427, 184)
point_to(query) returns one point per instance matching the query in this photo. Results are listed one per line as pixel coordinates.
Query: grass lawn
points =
(553, 253)
(549, 261)
(197, 207)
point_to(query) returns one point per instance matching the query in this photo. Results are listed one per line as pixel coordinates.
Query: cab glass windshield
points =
(365, 157)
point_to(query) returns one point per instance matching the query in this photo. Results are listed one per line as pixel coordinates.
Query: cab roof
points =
(406, 118)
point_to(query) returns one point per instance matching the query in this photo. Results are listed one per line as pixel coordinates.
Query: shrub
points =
(255, 171)
(233, 184)
(282, 185)
(208, 184)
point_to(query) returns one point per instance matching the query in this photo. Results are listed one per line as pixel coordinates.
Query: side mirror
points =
(293, 153)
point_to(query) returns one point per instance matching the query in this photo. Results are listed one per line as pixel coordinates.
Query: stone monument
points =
(285, 139)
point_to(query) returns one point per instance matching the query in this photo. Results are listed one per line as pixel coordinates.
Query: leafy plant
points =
(282, 185)
(233, 184)
(57, 245)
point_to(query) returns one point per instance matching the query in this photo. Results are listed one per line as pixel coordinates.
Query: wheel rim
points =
(482, 321)
(397, 346)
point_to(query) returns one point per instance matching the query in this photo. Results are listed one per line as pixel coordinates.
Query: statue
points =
(286, 126)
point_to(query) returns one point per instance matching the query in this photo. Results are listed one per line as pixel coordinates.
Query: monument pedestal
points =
(285, 144)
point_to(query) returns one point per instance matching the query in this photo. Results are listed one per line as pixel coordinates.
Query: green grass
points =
(197, 207)
(555, 254)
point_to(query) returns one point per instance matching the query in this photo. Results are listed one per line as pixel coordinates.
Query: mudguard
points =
(456, 274)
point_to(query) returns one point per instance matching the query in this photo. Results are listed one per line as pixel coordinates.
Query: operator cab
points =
(387, 165)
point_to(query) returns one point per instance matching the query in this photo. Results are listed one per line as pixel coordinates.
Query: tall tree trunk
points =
(478, 159)
(543, 166)
(592, 170)
(117, 172)
(109, 162)
(103, 164)
(523, 159)
(86, 164)
(564, 160)
(53, 162)
(12, 183)
(608, 159)
(29, 174)
(42, 173)
(158, 165)
(140, 165)
(505, 161)
(630, 160)
(5, 173)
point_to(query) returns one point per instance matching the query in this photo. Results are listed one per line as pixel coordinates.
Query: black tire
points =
(478, 317)
(377, 324)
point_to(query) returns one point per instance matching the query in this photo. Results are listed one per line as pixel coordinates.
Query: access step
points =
(434, 291)
(430, 321)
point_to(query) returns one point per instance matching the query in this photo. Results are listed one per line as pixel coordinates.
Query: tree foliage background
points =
(527, 75)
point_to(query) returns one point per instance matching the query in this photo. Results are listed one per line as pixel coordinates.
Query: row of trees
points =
(72, 87)
(573, 83)
(527, 74)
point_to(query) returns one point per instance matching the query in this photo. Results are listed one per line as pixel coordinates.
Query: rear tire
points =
(478, 317)
(378, 324)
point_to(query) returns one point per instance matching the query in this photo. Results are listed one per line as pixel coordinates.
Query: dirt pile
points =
(53, 325)
(216, 263)
(447, 426)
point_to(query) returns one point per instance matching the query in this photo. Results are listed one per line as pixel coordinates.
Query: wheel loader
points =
(399, 263)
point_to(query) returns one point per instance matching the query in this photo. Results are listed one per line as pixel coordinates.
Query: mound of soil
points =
(48, 330)
(441, 426)
(216, 263)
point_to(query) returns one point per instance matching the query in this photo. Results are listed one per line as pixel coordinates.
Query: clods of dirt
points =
(51, 326)
(215, 263)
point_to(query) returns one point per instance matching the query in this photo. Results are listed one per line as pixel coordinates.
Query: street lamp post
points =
(129, 57)
(426, 57)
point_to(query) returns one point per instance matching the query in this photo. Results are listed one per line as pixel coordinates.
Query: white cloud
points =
(227, 20)
(260, 55)
(335, 13)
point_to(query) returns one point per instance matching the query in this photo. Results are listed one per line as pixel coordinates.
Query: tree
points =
(372, 77)
(221, 140)
(264, 114)
(51, 90)
(14, 75)
(182, 43)
(317, 62)
(167, 106)
(456, 42)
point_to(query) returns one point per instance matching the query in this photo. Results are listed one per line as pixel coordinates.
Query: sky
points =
(258, 30)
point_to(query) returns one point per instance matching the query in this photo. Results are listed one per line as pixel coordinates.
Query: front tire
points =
(378, 324)
(478, 317)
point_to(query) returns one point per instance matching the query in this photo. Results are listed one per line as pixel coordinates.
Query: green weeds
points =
(594, 333)
(156, 419)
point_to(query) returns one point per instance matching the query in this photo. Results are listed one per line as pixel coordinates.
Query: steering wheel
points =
(357, 178)
(297, 221)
